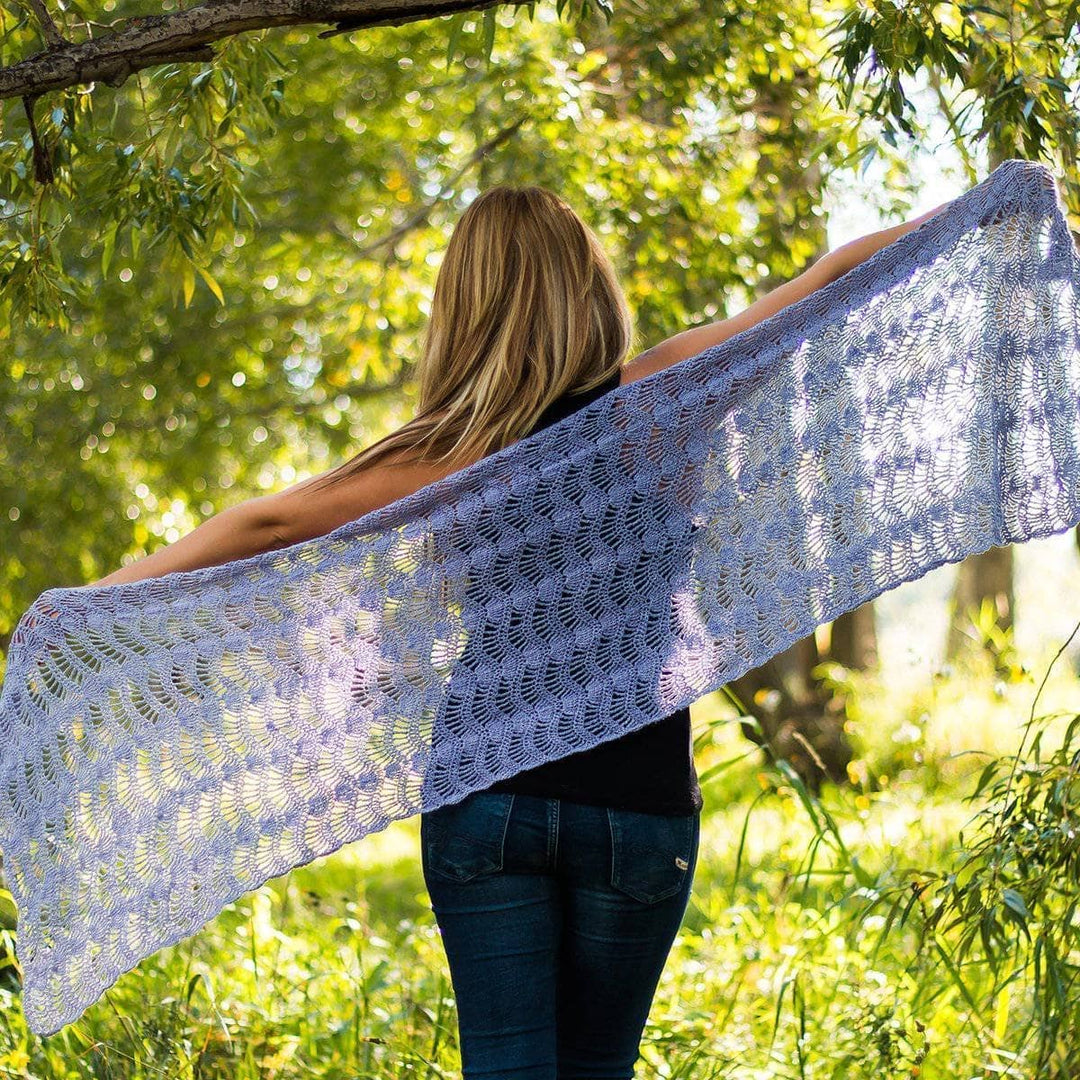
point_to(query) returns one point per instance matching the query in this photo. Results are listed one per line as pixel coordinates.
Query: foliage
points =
(697, 139)
(167, 157)
(794, 958)
(153, 403)
(998, 919)
(1014, 68)
(1013, 895)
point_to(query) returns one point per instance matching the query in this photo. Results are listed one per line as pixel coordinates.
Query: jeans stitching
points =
(617, 880)
(611, 835)
(553, 831)
(505, 830)
(429, 837)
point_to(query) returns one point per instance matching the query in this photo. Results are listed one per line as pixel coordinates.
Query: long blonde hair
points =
(526, 307)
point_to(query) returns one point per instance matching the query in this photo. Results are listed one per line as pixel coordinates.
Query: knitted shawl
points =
(167, 745)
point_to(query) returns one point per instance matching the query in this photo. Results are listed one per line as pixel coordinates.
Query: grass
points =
(787, 964)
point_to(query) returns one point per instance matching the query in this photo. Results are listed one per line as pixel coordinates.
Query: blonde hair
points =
(526, 307)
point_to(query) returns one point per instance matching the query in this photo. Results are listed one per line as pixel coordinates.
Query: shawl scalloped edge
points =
(170, 744)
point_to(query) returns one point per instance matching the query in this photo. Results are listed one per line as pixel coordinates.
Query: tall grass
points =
(920, 922)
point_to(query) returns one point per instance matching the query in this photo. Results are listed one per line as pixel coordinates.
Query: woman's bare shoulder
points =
(643, 364)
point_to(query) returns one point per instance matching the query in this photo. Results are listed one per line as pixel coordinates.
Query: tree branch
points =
(53, 37)
(43, 172)
(185, 36)
(420, 215)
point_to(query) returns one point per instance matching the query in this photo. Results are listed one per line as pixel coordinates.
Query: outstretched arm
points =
(235, 533)
(271, 522)
(828, 268)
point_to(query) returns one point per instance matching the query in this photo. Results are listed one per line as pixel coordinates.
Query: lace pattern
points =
(169, 744)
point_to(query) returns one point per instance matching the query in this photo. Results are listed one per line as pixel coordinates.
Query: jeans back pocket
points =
(651, 854)
(465, 840)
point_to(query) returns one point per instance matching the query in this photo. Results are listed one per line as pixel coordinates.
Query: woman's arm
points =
(847, 256)
(828, 268)
(235, 533)
(284, 518)
(310, 508)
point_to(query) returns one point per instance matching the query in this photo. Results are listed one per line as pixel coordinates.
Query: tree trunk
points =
(853, 638)
(988, 575)
(791, 715)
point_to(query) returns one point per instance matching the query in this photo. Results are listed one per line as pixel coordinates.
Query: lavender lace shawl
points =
(169, 744)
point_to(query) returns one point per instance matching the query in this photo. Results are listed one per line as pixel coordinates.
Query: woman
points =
(560, 890)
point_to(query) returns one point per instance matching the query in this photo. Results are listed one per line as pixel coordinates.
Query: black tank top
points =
(650, 769)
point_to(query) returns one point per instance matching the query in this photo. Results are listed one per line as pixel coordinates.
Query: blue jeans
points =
(557, 918)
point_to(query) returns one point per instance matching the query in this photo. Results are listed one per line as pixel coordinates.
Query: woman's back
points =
(650, 769)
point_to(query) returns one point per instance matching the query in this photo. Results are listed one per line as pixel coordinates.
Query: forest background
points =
(216, 260)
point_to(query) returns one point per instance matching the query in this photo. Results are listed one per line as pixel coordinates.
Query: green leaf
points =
(107, 246)
(214, 287)
(7, 910)
(987, 774)
(189, 283)
(1001, 1016)
(954, 973)
(455, 35)
(1015, 902)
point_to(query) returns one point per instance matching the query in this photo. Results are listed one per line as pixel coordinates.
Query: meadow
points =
(803, 953)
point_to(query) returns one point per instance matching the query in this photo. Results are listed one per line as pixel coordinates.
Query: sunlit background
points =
(202, 356)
